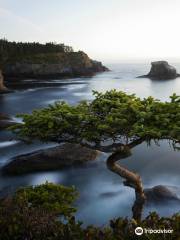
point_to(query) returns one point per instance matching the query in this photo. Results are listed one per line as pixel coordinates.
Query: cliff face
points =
(52, 65)
(2, 87)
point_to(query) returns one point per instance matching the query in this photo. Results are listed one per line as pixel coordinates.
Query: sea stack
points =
(161, 70)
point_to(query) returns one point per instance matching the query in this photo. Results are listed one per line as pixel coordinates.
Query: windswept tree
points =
(113, 122)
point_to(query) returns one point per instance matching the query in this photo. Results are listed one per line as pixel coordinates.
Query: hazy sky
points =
(109, 30)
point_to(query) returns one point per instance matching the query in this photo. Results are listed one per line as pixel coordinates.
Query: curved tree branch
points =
(131, 179)
(136, 142)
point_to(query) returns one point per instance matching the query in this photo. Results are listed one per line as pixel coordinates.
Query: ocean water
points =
(102, 194)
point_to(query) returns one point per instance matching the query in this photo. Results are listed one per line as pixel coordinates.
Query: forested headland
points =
(49, 60)
(10, 51)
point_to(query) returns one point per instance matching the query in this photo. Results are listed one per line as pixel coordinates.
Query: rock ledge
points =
(53, 158)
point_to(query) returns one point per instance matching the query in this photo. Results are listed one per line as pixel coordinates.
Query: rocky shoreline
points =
(75, 64)
(3, 88)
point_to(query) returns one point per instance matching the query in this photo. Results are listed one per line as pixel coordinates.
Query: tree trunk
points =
(131, 179)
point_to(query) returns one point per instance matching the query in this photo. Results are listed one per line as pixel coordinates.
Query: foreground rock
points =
(159, 194)
(162, 70)
(54, 158)
(162, 194)
(53, 65)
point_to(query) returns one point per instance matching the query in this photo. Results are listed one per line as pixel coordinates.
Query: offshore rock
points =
(162, 194)
(161, 70)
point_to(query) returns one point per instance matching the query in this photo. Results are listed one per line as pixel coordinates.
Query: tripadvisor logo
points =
(139, 231)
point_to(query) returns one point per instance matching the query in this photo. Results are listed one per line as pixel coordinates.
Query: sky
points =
(107, 30)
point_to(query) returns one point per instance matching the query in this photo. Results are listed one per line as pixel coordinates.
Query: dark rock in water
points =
(4, 116)
(54, 158)
(6, 121)
(161, 70)
(161, 194)
(110, 194)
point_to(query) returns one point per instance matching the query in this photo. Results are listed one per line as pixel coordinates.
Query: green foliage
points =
(16, 51)
(48, 196)
(58, 121)
(31, 214)
(114, 116)
(36, 212)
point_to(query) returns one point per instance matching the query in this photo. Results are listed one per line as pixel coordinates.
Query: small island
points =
(161, 70)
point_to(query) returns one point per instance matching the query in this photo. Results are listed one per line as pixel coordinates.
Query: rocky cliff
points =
(2, 87)
(53, 65)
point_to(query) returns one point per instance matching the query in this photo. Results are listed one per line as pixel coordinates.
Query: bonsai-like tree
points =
(113, 122)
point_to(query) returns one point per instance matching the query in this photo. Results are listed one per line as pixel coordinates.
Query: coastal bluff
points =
(3, 88)
(45, 61)
(54, 66)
